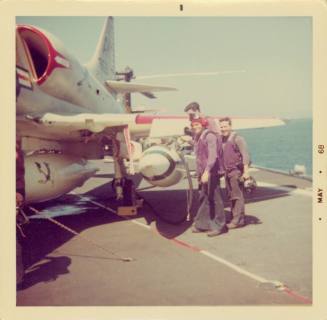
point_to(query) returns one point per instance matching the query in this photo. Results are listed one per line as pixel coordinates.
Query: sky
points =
(265, 63)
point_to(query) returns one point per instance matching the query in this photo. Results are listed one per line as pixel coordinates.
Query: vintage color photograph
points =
(163, 161)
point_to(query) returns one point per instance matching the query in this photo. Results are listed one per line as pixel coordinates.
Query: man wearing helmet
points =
(194, 112)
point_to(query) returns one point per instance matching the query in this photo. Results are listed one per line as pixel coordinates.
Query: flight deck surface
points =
(267, 262)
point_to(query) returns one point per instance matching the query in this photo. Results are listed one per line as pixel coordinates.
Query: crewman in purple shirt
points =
(235, 160)
(210, 216)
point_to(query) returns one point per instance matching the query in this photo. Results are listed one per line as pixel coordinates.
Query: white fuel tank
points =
(48, 176)
(161, 166)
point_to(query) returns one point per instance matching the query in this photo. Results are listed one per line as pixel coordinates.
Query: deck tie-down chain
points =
(61, 225)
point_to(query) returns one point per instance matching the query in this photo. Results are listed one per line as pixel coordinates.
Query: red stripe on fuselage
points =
(142, 119)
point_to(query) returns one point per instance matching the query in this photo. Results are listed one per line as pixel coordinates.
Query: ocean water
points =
(281, 147)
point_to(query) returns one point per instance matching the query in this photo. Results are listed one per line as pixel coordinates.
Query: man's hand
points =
(205, 177)
(245, 174)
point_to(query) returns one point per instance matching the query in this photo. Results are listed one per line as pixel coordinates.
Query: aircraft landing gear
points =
(124, 191)
(126, 197)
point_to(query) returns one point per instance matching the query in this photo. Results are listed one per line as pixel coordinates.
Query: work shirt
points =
(233, 156)
(206, 152)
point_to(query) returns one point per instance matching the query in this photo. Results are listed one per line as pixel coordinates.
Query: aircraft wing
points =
(85, 134)
(148, 110)
(175, 126)
(253, 123)
(127, 87)
(74, 127)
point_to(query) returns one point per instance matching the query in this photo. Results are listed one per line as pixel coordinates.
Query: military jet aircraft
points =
(68, 113)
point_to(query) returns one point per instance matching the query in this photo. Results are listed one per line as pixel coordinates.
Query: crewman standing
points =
(210, 216)
(236, 162)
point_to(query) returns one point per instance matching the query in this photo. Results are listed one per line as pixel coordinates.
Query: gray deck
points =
(171, 265)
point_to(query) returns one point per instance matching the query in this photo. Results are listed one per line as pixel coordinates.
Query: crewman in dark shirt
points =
(236, 162)
(210, 216)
